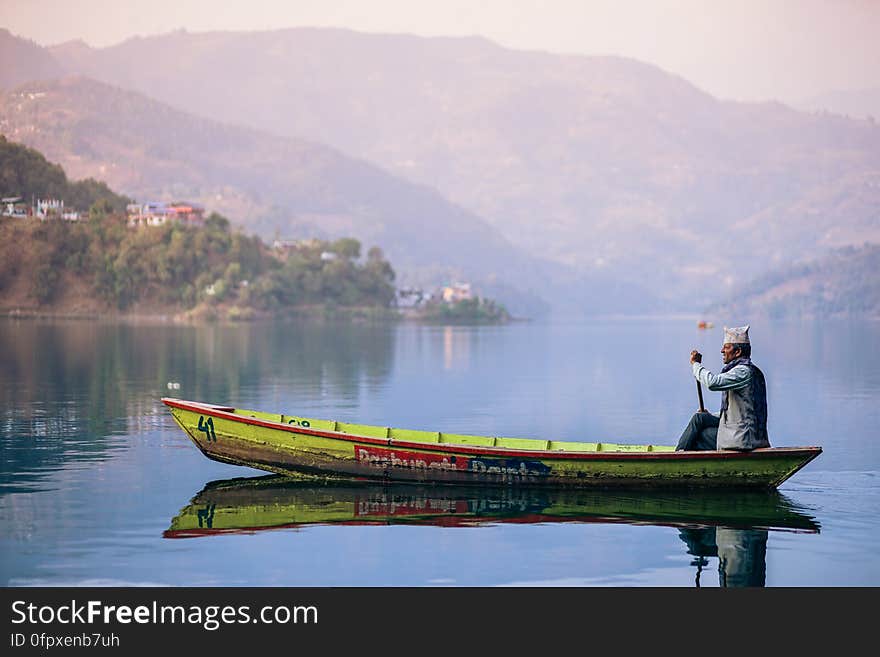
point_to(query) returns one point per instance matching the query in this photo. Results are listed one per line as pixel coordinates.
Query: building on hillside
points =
(296, 245)
(148, 214)
(14, 206)
(187, 213)
(456, 292)
(44, 208)
(411, 297)
(53, 208)
(158, 214)
(285, 247)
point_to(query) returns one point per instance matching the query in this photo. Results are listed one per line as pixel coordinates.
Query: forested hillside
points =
(270, 186)
(102, 264)
(24, 172)
(843, 284)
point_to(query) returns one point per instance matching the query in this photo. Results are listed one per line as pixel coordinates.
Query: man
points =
(742, 422)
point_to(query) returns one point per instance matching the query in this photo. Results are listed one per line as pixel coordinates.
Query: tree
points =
(346, 247)
(218, 222)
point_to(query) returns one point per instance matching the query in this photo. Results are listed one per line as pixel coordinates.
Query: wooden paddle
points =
(697, 356)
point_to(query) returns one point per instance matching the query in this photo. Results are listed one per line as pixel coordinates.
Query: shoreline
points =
(358, 315)
(198, 316)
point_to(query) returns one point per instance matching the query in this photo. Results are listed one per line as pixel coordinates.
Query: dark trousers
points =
(701, 433)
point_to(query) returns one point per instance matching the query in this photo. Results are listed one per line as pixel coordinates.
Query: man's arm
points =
(736, 378)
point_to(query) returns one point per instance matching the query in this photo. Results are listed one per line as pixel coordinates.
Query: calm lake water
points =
(98, 486)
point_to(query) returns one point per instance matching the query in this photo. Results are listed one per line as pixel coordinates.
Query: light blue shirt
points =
(738, 377)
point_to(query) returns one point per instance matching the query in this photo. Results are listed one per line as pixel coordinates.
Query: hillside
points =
(100, 264)
(24, 172)
(607, 165)
(844, 283)
(277, 187)
(22, 60)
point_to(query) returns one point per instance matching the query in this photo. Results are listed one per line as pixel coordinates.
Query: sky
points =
(752, 50)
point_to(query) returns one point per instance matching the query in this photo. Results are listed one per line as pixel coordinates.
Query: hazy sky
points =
(739, 49)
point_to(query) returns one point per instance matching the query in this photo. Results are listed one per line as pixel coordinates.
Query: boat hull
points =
(277, 443)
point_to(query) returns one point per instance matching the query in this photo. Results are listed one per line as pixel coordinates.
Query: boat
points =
(328, 449)
(277, 502)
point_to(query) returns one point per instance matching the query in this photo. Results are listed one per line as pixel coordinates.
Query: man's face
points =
(729, 352)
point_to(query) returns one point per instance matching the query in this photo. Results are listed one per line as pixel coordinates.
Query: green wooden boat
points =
(292, 444)
(244, 506)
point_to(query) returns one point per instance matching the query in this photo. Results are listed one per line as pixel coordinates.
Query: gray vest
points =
(743, 424)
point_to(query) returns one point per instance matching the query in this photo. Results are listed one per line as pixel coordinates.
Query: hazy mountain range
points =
(278, 187)
(645, 192)
(844, 283)
(22, 60)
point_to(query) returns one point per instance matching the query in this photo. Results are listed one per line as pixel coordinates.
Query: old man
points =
(742, 422)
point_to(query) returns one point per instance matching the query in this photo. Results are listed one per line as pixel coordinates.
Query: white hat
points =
(736, 335)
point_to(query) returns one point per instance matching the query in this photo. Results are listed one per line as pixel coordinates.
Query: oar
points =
(694, 355)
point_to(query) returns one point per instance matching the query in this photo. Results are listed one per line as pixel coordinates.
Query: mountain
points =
(287, 187)
(842, 283)
(99, 265)
(606, 165)
(22, 60)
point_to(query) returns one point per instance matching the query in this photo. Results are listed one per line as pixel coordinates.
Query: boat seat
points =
(368, 430)
(260, 415)
(463, 439)
(567, 446)
(522, 443)
(308, 422)
(415, 436)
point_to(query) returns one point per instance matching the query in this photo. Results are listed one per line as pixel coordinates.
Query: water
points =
(98, 486)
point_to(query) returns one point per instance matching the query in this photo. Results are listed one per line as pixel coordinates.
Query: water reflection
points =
(68, 387)
(456, 347)
(741, 553)
(731, 526)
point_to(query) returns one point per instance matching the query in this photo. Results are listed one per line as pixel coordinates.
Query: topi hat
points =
(736, 335)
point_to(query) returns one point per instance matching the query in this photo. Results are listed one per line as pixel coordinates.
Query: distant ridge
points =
(275, 186)
(844, 283)
(606, 165)
(607, 184)
(22, 60)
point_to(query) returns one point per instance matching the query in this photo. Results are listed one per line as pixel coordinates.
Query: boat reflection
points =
(246, 505)
(731, 526)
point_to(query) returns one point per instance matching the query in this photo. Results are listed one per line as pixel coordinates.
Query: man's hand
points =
(696, 357)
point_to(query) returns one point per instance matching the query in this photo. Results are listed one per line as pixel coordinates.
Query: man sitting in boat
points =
(742, 422)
